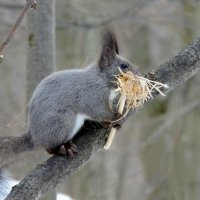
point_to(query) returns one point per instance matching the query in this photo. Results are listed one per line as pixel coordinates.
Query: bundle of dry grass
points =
(135, 91)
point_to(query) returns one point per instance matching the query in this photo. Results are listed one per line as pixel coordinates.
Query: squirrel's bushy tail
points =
(12, 147)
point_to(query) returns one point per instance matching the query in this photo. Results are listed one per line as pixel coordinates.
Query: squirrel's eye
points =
(123, 66)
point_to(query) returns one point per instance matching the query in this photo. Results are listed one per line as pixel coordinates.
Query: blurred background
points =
(156, 154)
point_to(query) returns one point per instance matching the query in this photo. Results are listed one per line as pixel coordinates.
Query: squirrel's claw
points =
(68, 149)
(62, 151)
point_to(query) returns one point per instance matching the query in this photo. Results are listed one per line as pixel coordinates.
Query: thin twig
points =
(29, 4)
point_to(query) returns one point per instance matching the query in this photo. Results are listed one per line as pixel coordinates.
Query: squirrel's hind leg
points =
(68, 149)
(58, 141)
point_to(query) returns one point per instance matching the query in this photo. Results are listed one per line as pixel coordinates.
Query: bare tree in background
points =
(41, 44)
(41, 50)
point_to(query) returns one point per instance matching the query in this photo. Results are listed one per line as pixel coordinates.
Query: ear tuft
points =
(109, 40)
(109, 48)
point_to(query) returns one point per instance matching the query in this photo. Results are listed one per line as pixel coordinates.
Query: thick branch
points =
(180, 68)
(90, 141)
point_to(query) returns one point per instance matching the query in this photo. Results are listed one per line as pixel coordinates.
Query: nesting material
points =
(135, 91)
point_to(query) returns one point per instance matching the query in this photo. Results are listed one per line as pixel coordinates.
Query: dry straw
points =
(135, 91)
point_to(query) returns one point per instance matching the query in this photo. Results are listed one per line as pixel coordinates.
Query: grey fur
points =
(62, 95)
(12, 147)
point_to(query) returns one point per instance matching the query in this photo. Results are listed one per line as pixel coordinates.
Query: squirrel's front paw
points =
(107, 124)
(118, 122)
(117, 116)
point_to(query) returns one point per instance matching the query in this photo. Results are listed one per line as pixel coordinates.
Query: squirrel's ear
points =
(109, 48)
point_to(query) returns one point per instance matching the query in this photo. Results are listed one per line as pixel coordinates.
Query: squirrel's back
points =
(70, 88)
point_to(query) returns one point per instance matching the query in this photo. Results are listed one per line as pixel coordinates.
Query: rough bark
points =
(90, 140)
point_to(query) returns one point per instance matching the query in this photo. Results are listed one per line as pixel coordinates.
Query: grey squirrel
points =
(65, 99)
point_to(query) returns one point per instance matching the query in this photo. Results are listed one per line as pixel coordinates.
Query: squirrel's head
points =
(110, 61)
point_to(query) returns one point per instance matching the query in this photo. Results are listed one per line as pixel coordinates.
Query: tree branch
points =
(29, 4)
(180, 68)
(90, 140)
